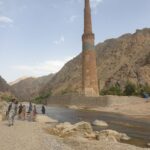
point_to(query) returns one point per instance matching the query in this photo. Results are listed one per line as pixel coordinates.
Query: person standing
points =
(20, 111)
(43, 110)
(30, 111)
(30, 107)
(12, 111)
(34, 112)
(23, 114)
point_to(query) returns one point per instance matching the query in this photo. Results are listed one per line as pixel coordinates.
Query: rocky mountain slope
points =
(119, 60)
(30, 87)
(5, 92)
(4, 87)
(126, 58)
(18, 80)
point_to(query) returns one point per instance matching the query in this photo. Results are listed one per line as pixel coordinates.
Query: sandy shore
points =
(136, 110)
(26, 135)
(139, 109)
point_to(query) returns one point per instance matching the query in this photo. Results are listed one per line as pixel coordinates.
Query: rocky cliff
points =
(126, 58)
(119, 60)
(4, 87)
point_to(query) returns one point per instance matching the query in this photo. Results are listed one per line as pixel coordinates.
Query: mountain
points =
(4, 87)
(29, 88)
(18, 80)
(119, 60)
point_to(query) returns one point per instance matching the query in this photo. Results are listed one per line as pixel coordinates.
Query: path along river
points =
(137, 129)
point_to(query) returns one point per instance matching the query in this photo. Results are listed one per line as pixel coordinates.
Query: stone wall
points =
(103, 101)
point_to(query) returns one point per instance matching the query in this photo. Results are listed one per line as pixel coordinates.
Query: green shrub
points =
(146, 89)
(6, 97)
(140, 89)
(40, 99)
(113, 90)
(130, 89)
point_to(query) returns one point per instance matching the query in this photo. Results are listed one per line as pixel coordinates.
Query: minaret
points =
(89, 69)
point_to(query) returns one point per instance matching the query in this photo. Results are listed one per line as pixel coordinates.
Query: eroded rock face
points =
(144, 74)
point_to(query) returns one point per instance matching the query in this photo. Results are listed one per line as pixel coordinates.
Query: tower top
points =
(87, 18)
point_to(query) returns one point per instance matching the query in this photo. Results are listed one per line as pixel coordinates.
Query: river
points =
(138, 130)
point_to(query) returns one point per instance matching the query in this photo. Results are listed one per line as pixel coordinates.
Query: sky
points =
(37, 37)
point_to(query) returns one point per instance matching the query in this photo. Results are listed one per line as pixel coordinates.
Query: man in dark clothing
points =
(43, 109)
(30, 107)
(20, 110)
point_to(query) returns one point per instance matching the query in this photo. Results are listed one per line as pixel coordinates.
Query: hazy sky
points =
(38, 36)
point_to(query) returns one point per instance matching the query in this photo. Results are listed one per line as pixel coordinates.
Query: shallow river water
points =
(138, 130)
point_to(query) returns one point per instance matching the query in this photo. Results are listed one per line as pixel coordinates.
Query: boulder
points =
(83, 126)
(148, 144)
(64, 125)
(73, 107)
(90, 135)
(106, 138)
(124, 137)
(45, 119)
(67, 129)
(112, 135)
(80, 126)
(100, 123)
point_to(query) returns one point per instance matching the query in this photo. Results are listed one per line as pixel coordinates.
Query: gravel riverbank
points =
(32, 136)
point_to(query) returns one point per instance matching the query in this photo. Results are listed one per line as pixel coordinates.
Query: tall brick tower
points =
(89, 69)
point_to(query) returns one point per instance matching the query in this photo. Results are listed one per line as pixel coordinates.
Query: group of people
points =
(20, 111)
(31, 113)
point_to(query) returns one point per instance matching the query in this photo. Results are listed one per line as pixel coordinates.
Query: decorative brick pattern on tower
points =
(89, 69)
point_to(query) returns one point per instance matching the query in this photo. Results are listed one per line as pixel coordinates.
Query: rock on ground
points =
(112, 135)
(67, 129)
(45, 119)
(100, 123)
(83, 126)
